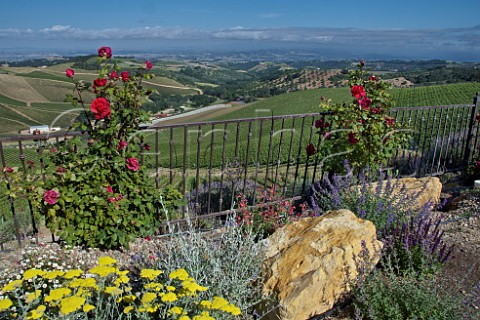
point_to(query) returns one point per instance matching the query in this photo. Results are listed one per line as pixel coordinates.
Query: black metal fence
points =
(212, 162)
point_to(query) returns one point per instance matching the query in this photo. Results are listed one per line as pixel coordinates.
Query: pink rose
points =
(132, 164)
(105, 52)
(51, 196)
(69, 73)
(124, 76)
(148, 65)
(122, 145)
(109, 189)
(358, 92)
(112, 199)
(100, 108)
(54, 150)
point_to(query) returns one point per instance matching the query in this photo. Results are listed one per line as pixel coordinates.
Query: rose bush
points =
(97, 193)
(362, 131)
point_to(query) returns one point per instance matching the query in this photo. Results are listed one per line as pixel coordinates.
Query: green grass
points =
(42, 75)
(308, 101)
(10, 101)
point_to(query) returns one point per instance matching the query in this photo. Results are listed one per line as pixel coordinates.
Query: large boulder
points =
(310, 264)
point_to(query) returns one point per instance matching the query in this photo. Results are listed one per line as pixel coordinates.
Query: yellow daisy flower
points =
(12, 285)
(169, 297)
(71, 304)
(106, 261)
(88, 307)
(150, 273)
(72, 273)
(103, 271)
(36, 313)
(5, 304)
(57, 294)
(31, 296)
(32, 273)
(179, 274)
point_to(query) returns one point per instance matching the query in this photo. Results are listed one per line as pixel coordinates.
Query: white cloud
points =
(401, 38)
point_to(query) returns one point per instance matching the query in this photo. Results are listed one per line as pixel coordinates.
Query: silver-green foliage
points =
(228, 262)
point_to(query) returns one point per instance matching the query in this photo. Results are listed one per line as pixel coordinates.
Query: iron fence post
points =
(468, 142)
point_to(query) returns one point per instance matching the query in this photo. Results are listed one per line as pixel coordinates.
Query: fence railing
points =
(212, 162)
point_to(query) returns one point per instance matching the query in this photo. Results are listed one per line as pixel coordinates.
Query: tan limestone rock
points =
(428, 189)
(310, 263)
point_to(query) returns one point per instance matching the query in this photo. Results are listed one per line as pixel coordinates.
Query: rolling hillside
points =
(34, 96)
(309, 101)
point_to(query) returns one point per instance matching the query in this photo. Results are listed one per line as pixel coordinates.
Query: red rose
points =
(122, 145)
(321, 124)
(477, 117)
(132, 164)
(112, 199)
(327, 135)
(477, 166)
(390, 121)
(51, 196)
(105, 52)
(375, 110)
(148, 65)
(69, 73)
(358, 92)
(61, 169)
(30, 163)
(147, 147)
(54, 150)
(352, 139)
(310, 150)
(362, 62)
(99, 82)
(7, 169)
(124, 76)
(100, 108)
(373, 78)
(109, 189)
(113, 75)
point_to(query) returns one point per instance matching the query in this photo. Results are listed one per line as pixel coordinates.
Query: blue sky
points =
(408, 28)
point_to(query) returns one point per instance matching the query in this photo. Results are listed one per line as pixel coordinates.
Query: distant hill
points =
(34, 94)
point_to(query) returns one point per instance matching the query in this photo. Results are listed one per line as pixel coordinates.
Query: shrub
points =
(416, 246)
(227, 261)
(389, 296)
(106, 292)
(270, 213)
(362, 131)
(97, 194)
(386, 294)
(380, 205)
